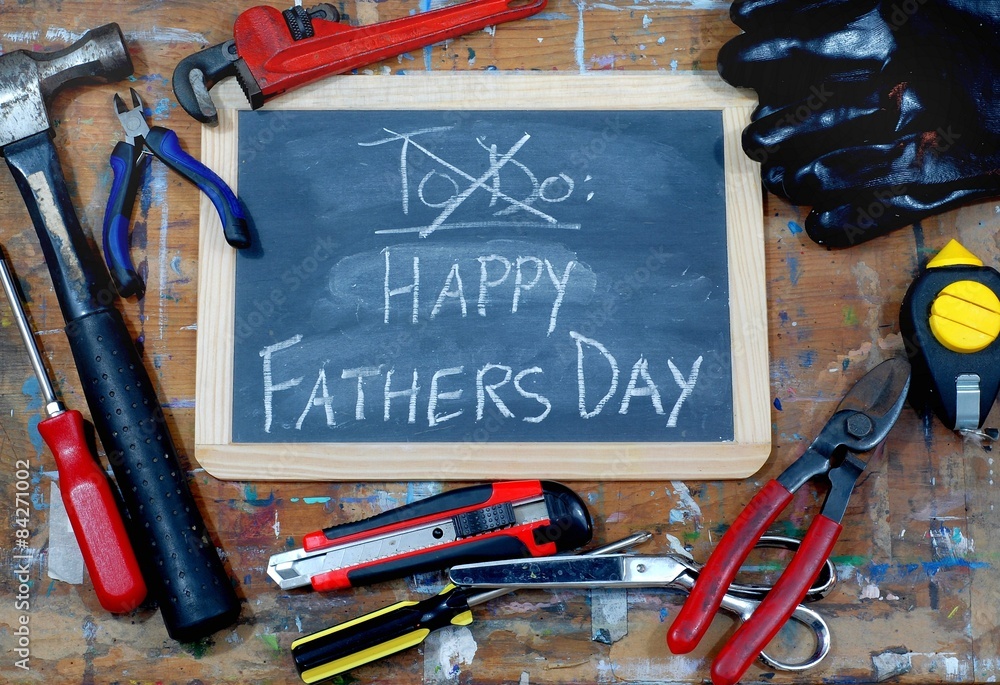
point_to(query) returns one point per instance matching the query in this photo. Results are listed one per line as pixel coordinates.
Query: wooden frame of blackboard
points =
(221, 457)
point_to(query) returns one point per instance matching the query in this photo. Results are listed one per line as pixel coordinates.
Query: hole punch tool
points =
(127, 161)
(274, 51)
(861, 423)
(950, 320)
(613, 571)
(395, 628)
(506, 520)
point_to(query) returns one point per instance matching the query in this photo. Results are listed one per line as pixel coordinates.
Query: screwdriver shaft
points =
(21, 319)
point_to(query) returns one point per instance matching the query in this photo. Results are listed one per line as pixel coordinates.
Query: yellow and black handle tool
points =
(400, 626)
(950, 321)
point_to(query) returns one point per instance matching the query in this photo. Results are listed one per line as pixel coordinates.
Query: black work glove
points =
(875, 114)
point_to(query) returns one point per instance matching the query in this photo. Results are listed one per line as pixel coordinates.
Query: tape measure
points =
(950, 321)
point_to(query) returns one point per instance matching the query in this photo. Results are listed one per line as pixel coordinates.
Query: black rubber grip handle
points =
(474, 551)
(188, 579)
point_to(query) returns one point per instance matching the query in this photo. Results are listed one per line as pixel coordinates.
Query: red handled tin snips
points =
(861, 423)
(274, 51)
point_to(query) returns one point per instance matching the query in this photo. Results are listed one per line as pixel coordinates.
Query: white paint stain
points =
(277, 525)
(646, 21)
(891, 664)
(686, 508)
(950, 543)
(578, 48)
(158, 190)
(676, 547)
(443, 658)
(870, 591)
(524, 678)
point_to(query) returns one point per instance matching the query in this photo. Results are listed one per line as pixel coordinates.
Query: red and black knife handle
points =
(571, 528)
(717, 575)
(774, 611)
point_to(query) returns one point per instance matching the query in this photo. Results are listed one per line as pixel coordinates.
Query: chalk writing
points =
(483, 279)
(552, 189)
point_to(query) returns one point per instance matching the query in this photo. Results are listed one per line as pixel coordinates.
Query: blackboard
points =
(483, 276)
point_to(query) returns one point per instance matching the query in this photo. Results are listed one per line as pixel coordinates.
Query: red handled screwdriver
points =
(86, 493)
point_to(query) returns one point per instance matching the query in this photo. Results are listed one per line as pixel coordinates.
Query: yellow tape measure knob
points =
(965, 317)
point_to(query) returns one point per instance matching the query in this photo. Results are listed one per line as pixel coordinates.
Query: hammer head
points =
(29, 79)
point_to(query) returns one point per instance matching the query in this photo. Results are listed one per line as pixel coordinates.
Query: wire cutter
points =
(127, 160)
(672, 570)
(861, 423)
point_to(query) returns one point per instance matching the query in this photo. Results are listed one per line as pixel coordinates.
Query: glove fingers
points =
(800, 16)
(924, 160)
(880, 211)
(794, 63)
(815, 126)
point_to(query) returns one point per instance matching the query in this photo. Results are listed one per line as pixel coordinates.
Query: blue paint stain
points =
(251, 498)
(178, 404)
(246, 579)
(316, 500)
(425, 6)
(175, 265)
(777, 403)
(794, 228)
(38, 499)
(162, 109)
(793, 270)
(807, 358)
(847, 362)
(664, 613)
(783, 317)
(877, 572)
(33, 391)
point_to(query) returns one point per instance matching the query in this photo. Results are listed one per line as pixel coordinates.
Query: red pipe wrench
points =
(274, 51)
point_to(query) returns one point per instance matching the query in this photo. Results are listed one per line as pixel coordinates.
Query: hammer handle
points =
(196, 596)
(184, 571)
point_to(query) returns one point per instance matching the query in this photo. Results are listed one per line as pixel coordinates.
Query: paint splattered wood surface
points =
(918, 597)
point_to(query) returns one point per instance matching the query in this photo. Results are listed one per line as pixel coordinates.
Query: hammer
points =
(185, 574)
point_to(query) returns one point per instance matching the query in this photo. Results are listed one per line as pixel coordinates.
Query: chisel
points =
(505, 520)
(86, 493)
(400, 626)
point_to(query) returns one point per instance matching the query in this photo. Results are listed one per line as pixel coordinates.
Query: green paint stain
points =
(691, 537)
(315, 500)
(197, 649)
(271, 641)
(953, 612)
(850, 317)
(789, 529)
(850, 560)
(249, 492)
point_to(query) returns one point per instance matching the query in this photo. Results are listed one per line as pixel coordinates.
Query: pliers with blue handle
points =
(127, 160)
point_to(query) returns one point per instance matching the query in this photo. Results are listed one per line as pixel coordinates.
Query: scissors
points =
(861, 423)
(672, 571)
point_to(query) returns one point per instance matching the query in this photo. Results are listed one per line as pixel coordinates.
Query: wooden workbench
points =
(919, 596)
